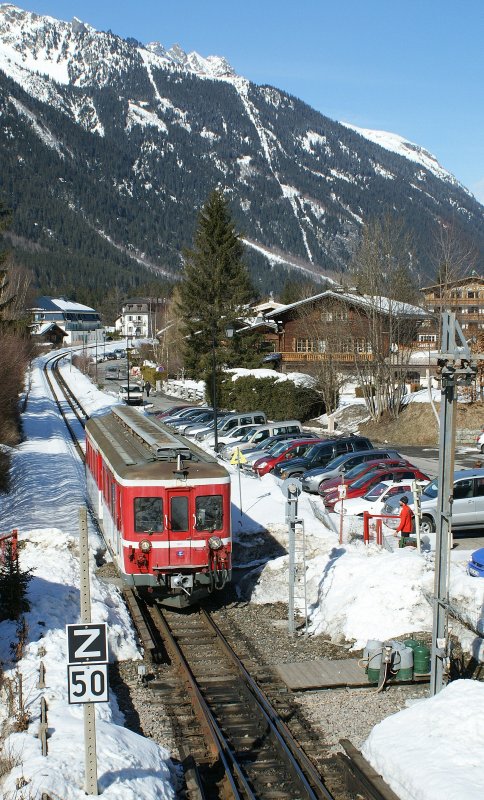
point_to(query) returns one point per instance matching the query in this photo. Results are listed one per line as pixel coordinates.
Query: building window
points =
(310, 346)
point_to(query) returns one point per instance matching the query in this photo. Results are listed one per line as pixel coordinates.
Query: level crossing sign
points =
(87, 670)
(87, 643)
(238, 457)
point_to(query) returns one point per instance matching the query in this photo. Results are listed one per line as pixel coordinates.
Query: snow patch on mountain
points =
(402, 147)
(40, 129)
(137, 115)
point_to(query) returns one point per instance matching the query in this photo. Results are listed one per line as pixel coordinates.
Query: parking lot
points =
(426, 458)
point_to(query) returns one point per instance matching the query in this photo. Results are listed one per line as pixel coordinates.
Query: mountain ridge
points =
(152, 131)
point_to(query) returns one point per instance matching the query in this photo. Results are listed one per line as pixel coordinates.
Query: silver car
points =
(341, 465)
(467, 506)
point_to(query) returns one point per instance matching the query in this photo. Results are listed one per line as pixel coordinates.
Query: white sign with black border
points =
(87, 683)
(87, 643)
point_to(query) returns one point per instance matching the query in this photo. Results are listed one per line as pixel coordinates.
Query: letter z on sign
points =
(87, 644)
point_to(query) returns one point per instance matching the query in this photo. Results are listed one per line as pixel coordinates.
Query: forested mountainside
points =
(109, 149)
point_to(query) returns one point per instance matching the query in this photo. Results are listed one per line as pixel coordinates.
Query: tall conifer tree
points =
(215, 287)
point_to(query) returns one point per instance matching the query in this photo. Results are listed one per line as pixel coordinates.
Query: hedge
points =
(278, 400)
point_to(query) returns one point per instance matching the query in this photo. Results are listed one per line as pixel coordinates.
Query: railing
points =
(308, 356)
(455, 301)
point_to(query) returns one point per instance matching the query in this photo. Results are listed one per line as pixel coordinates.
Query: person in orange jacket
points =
(406, 518)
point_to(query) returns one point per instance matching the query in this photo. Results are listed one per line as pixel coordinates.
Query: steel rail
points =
(69, 427)
(220, 746)
(292, 756)
(295, 755)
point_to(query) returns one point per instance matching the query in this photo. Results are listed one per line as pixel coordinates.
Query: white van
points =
(230, 423)
(254, 437)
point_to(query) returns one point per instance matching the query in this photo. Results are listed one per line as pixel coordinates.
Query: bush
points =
(279, 400)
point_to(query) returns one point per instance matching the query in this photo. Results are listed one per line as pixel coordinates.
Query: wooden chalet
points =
(337, 325)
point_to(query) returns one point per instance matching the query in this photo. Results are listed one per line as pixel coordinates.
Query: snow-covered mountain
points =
(110, 147)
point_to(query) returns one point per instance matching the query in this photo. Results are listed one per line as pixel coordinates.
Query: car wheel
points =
(427, 525)
(482, 448)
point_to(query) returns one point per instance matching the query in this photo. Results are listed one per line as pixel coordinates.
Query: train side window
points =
(148, 514)
(208, 513)
(179, 513)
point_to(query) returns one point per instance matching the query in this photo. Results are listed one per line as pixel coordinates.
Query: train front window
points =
(148, 514)
(208, 513)
(179, 513)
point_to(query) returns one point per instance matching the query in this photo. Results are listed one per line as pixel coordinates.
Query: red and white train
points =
(163, 504)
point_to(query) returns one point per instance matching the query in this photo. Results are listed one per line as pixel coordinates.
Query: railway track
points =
(233, 740)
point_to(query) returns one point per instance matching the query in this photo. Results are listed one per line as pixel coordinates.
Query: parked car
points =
(203, 416)
(480, 442)
(230, 423)
(281, 440)
(467, 506)
(132, 394)
(170, 412)
(280, 453)
(321, 454)
(375, 500)
(342, 465)
(185, 413)
(116, 374)
(260, 434)
(207, 426)
(363, 485)
(358, 471)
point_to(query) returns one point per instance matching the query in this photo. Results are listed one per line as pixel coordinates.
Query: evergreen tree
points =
(13, 586)
(214, 289)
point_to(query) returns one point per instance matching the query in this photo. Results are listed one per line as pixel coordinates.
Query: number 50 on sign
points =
(87, 683)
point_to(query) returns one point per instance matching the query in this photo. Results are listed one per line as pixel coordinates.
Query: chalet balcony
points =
(346, 358)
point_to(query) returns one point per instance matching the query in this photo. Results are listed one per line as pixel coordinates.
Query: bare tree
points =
(384, 317)
(327, 339)
(453, 257)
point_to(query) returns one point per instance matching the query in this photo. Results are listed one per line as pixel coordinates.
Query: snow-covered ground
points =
(356, 593)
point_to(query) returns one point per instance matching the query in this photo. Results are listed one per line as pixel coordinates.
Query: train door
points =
(178, 526)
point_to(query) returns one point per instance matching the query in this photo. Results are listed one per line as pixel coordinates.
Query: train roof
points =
(138, 447)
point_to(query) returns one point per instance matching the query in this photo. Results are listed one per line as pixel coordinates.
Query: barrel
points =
(421, 660)
(405, 672)
(412, 643)
(374, 663)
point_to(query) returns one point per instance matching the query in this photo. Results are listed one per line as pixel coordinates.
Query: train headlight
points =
(215, 543)
(145, 546)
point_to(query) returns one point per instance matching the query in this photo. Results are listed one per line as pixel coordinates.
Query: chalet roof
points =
(472, 278)
(382, 304)
(60, 304)
(41, 330)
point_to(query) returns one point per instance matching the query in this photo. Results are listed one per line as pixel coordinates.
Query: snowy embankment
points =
(355, 592)
(47, 491)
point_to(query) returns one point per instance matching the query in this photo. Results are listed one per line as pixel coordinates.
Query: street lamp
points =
(129, 339)
(229, 332)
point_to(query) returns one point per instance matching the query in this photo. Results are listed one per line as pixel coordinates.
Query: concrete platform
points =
(324, 673)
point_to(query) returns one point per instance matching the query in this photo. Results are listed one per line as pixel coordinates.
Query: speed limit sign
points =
(87, 683)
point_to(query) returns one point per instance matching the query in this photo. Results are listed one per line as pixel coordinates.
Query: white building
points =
(140, 317)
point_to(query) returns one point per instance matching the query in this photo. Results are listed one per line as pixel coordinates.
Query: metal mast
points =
(451, 376)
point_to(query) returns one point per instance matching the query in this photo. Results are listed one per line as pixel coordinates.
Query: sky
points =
(416, 69)
(356, 591)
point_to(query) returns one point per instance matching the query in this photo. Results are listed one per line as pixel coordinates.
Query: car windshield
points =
(238, 433)
(357, 470)
(279, 448)
(431, 491)
(376, 491)
(364, 478)
(336, 462)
